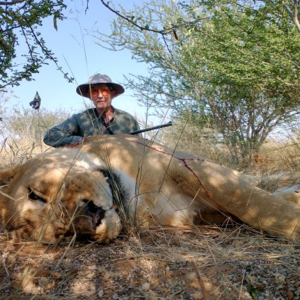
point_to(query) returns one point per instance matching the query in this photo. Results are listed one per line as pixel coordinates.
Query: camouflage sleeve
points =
(138, 128)
(136, 125)
(63, 134)
(132, 125)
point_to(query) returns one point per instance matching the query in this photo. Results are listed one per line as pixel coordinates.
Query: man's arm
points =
(63, 134)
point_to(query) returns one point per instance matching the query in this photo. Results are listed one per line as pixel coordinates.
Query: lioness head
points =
(57, 194)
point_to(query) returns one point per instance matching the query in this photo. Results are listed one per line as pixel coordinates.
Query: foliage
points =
(230, 66)
(19, 23)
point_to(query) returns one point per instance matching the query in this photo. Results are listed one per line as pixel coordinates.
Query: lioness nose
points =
(95, 212)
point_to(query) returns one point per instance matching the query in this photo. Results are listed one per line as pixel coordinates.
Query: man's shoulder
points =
(119, 112)
(87, 112)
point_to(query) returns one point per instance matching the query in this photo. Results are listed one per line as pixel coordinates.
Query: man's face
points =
(101, 96)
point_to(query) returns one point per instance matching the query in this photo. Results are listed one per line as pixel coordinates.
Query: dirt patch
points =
(195, 263)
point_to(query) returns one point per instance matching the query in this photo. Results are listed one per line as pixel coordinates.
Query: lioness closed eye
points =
(76, 191)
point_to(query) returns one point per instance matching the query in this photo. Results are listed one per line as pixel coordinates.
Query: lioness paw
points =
(109, 228)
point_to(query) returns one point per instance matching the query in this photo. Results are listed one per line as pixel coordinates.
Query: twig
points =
(201, 283)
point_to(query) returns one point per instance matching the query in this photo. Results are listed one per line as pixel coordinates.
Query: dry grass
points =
(163, 263)
(14, 152)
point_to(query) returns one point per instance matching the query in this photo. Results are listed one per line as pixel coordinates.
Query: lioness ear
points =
(7, 175)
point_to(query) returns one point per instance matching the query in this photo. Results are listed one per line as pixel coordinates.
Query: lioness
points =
(84, 190)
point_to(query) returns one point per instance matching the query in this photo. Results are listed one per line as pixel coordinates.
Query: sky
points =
(75, 46)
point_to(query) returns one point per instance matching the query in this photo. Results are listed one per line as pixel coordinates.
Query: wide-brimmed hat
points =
(95, 80)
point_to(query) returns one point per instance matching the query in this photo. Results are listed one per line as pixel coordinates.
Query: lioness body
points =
(160, 186)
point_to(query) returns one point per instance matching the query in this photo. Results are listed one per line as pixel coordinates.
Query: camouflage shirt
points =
(89, 123)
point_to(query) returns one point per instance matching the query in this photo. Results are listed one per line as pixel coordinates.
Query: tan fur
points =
(62, 178)
(290, 193)
(163, 187)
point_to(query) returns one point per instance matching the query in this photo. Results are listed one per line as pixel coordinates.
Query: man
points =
(103, 119)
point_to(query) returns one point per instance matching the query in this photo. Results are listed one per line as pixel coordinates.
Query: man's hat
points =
(95, 80)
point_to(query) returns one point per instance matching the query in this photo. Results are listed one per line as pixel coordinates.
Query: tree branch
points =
(293, 15)
(12, 2)
(48, 54)
(170, 30)
(164, 31)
